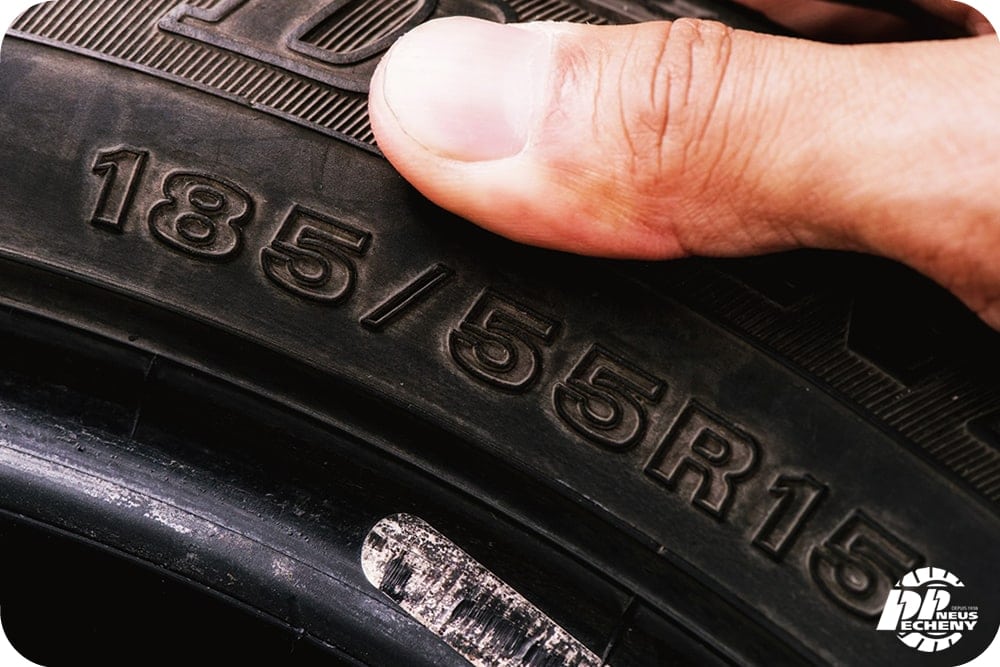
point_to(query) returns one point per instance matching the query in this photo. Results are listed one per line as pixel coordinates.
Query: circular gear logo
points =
(920, 610)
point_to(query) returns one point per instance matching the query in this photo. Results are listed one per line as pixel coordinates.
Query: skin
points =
(667, 139)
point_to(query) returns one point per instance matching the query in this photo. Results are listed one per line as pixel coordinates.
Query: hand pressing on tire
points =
(660, 140)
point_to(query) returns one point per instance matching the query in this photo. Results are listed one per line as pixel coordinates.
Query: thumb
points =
(664, 139)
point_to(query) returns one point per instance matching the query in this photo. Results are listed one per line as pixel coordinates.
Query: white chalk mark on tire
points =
(463, 603)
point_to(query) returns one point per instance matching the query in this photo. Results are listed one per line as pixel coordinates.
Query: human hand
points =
(661, 140)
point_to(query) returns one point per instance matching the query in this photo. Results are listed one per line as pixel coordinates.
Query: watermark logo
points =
(921, 612)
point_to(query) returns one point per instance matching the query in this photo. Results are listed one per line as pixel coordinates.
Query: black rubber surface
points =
(234, 339)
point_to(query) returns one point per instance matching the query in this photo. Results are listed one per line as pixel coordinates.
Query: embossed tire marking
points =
(216, 293)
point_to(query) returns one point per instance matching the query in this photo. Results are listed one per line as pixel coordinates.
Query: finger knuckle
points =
(696, 65)
(676, 129)
(654, 101)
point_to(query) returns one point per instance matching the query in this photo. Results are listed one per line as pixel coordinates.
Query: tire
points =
(234, 340)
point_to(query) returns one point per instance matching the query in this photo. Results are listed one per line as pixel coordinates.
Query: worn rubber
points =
(235, 339)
